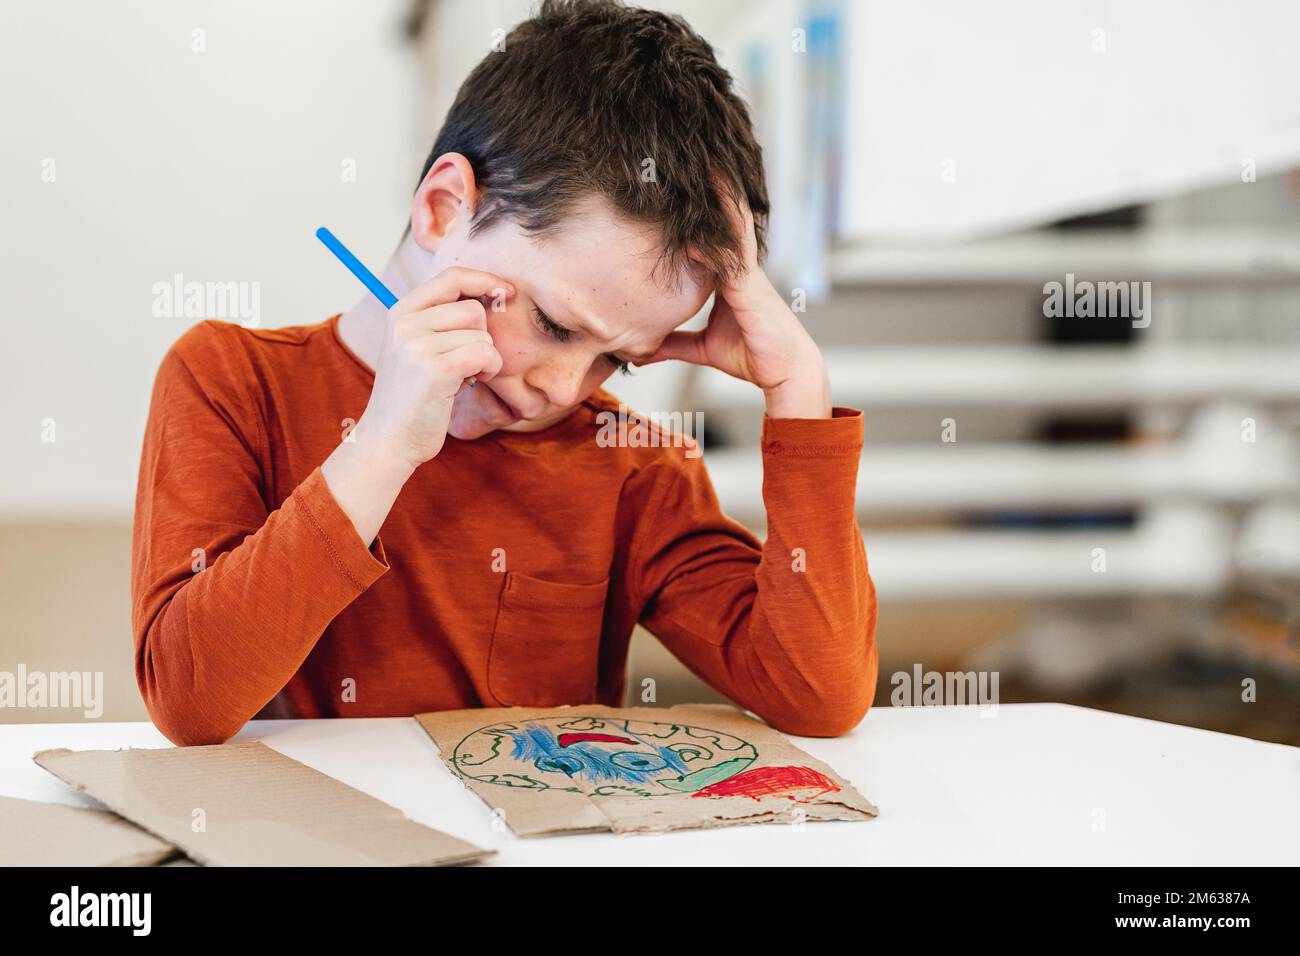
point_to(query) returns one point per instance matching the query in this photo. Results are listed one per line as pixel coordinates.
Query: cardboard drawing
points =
(636, 769)
(54, 834)
(245, 804)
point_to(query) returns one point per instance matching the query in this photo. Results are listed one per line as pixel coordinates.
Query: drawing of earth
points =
(604, 756)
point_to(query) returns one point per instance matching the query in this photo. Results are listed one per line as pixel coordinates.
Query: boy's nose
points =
(560, 381)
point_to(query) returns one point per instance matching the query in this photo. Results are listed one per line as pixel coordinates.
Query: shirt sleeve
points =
(228, 595)
(785, 628)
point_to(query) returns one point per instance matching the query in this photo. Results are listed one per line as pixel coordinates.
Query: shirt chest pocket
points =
(546, 642)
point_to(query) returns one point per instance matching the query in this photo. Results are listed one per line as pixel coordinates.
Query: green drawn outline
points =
(591, 723)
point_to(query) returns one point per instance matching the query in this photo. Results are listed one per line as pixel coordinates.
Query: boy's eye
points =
(547, 325)
(561, 334)
(618, 363)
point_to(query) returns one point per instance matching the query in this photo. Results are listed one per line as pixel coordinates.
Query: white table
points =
(1019, 784)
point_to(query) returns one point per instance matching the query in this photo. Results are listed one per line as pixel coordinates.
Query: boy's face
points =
(585, 299)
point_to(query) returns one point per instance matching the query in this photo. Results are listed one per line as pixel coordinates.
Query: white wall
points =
(218, 165)
(1040, 123)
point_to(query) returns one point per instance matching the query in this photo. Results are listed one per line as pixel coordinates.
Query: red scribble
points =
(567, 739)
(802, 784)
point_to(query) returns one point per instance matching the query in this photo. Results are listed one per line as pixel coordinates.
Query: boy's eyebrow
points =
(594, 328)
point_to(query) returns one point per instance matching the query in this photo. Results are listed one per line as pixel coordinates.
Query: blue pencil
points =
(368, 278)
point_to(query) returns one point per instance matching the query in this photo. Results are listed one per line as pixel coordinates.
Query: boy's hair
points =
(582, 99)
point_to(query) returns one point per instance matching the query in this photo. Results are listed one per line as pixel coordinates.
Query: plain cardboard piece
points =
(636, 769)
(245, 804)
(54, 834)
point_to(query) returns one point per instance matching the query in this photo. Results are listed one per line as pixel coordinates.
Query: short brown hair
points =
(579, 99)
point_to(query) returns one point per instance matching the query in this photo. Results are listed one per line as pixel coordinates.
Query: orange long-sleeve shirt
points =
(510, 571)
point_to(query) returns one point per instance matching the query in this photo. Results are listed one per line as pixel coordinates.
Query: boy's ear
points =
(446, 196)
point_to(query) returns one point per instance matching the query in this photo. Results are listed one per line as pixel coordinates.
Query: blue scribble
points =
(539, 746)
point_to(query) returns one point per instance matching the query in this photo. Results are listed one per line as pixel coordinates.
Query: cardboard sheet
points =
(245, 804)
(53, 834)
(636, 769)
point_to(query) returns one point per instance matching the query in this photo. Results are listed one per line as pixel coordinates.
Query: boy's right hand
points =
(436, 338)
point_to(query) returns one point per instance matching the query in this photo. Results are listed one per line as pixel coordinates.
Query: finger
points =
(465, 314)
(479, 360)
(682, 346)
(734, 303)
(741, 219)
(445, 342)
(453, 284)
(751, 239)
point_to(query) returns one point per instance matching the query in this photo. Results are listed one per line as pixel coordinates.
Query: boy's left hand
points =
(753, 334)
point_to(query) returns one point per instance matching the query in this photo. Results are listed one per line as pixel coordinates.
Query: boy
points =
(464, 547)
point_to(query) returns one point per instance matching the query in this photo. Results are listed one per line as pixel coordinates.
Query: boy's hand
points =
(436, 338)
(753, 334)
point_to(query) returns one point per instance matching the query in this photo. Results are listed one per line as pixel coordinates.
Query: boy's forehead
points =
(603, 272)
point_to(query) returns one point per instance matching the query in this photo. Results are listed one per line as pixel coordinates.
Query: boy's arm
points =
(228, 597)
(787, 629)
(214, 646)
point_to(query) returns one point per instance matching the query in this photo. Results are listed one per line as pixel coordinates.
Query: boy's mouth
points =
(505, 406)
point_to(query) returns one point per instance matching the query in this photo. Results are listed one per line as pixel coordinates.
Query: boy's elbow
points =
(189, 732)
(830, 713)
(823, 718)
(174, 706)
(181, 722)
(196, 736)
(184, 727)
(833, 712)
